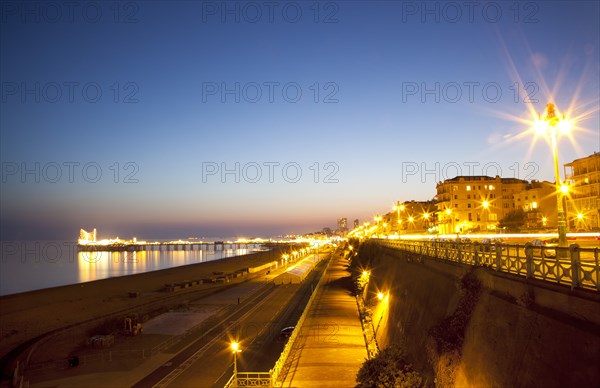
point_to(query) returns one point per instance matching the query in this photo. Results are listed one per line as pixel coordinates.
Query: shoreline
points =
(32, 266)
(27, 315)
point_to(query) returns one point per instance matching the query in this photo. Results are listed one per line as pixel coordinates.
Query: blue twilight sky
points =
(162, 119)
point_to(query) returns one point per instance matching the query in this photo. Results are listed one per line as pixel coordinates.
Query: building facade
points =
(342, 224)
(538, 201)
(583, 201)
(412, 217)
(475, 203)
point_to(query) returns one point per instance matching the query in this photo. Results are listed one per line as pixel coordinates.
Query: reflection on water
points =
(28, 265)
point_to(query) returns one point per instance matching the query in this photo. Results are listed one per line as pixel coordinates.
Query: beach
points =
(26, 316)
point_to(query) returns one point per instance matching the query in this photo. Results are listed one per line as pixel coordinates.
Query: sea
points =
(34, 265)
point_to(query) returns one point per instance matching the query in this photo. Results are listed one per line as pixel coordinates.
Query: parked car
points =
(463, 240)
(286, 332)
(544, 248)
(488, 244)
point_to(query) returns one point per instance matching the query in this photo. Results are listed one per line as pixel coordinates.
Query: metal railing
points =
(250, 379)
(573, 266)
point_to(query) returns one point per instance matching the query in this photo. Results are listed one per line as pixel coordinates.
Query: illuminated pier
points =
(171, 246)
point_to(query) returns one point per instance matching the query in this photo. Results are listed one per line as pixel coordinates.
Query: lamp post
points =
(235, 347)
(485, 205)
(377, 219)
(550, 122)
(398, 207)
(451, 219)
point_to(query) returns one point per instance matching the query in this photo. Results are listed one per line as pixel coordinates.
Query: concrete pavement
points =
(330, 348)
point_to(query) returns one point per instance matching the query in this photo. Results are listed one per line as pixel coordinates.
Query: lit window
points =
(491, 187)
(534, 205)
(468, 188)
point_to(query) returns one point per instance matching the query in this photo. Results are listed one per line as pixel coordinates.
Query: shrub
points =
(388, 369)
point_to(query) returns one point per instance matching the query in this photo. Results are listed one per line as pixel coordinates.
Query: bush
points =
(388, 369)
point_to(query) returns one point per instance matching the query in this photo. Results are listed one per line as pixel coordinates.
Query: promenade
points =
(330, 348)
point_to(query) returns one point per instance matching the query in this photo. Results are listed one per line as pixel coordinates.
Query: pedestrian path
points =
(330, 348)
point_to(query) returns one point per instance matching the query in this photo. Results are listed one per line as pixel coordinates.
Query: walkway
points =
(330, 348)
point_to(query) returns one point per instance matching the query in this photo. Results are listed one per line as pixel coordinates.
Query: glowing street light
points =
(552, 124)
(235, 347)
(398, 207)
(380, 296)
(580, 220)
(448, 215)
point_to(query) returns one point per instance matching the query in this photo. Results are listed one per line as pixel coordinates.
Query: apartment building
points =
(475, 203)
(583, 200)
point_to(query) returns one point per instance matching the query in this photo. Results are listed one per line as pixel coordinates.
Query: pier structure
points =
(171, 246)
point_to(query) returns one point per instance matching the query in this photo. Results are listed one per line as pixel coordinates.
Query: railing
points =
(573, 266)
(250, 379)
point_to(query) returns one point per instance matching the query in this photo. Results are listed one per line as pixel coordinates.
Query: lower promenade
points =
(330, 348)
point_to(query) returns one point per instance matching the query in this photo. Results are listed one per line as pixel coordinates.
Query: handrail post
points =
(575, 265)
(529, 260)
(498, 256)
(476, 253)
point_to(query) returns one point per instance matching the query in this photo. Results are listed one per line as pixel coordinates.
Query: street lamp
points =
(580, 220)
(235, 347)
(551, 123)
(485, 205)
(398, 208)
(426, 220)
(451, 218)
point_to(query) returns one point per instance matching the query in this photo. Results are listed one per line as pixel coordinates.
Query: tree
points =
(388, 369)
(514, 220)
